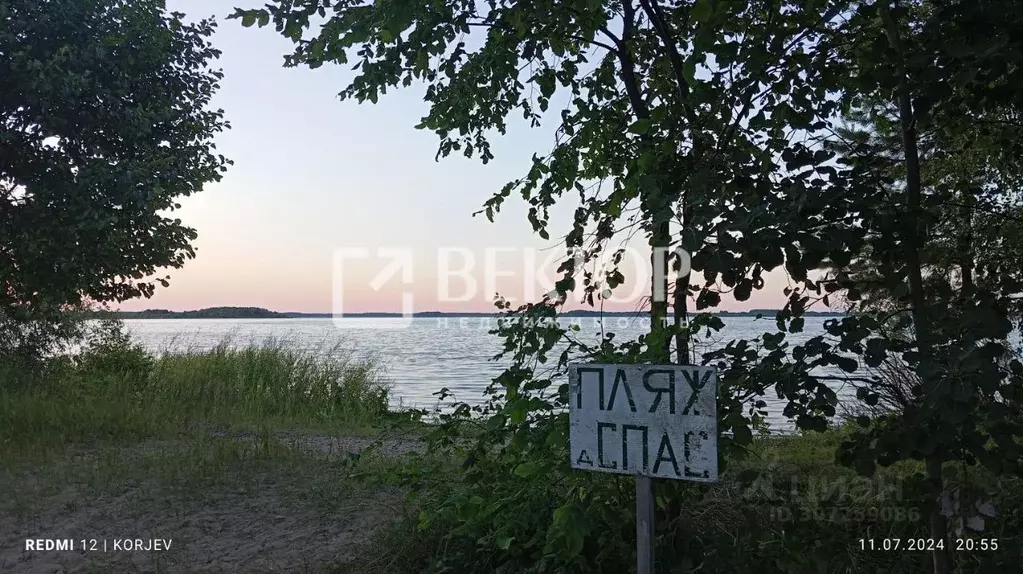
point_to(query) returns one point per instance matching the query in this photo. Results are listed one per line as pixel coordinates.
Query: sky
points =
(315, 180)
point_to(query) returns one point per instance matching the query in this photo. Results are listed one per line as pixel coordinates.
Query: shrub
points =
(109, 352)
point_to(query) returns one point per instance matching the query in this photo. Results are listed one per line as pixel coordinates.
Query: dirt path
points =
(338, 445)
(229, 504)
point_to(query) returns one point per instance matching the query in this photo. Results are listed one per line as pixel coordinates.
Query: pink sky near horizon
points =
(313, 175)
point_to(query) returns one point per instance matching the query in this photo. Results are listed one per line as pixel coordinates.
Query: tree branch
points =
(591, 41)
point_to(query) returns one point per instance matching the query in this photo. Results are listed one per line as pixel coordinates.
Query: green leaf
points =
(546, 80)
(847, 364)
(640, 126)
(742, 435)
(425, 519)
(248, 19)
(689, 70)
(796, 326)
(563, 514)
(703, 10)
(504, 542)
(527, 469)
(496, 422)
(743, 290)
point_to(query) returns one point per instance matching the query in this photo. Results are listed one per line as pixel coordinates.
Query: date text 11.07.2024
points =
(925, 544)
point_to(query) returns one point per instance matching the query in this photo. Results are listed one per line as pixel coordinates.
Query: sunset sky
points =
(313, 175)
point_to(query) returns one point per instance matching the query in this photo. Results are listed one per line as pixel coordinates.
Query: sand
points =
(266, 522)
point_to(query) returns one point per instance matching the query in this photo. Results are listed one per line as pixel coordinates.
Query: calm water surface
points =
(430, 353)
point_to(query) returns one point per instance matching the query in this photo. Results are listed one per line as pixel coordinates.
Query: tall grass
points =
(270, 382)
(114, 390)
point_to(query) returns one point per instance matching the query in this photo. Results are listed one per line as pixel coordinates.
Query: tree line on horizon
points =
(262, 313)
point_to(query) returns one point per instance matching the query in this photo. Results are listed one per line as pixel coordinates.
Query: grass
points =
(243, 456)
(119, 392)
(273, 383)
(802, 513)
(196, 470)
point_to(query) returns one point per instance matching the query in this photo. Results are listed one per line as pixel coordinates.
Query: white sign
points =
(651, 420)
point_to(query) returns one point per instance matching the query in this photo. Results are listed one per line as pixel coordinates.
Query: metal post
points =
(644, 525)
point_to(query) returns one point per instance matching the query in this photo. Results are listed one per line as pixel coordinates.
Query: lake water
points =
(430, 353)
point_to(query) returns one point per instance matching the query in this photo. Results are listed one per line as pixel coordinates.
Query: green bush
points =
(496, 493)
(110, 353)
(29, 335)
(788, 507)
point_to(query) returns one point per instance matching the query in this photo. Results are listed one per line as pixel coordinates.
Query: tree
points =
(678, 115)
(692, 158)
(106, 124)
(715, 123)
(933, 101)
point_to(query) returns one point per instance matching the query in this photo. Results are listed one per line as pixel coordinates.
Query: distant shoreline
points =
(260, 313)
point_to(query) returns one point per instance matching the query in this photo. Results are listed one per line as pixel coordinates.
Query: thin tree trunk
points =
(660, 239)
(681, 303)
(653, 202)
(914, 233)
(681, 308)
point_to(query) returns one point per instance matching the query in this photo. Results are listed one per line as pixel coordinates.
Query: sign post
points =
(650, 421)
(644, 524)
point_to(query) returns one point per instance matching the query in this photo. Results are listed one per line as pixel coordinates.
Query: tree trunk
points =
(653, 199)
(683, 347)
(681, 308)
(913, 237)
(660, 239)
